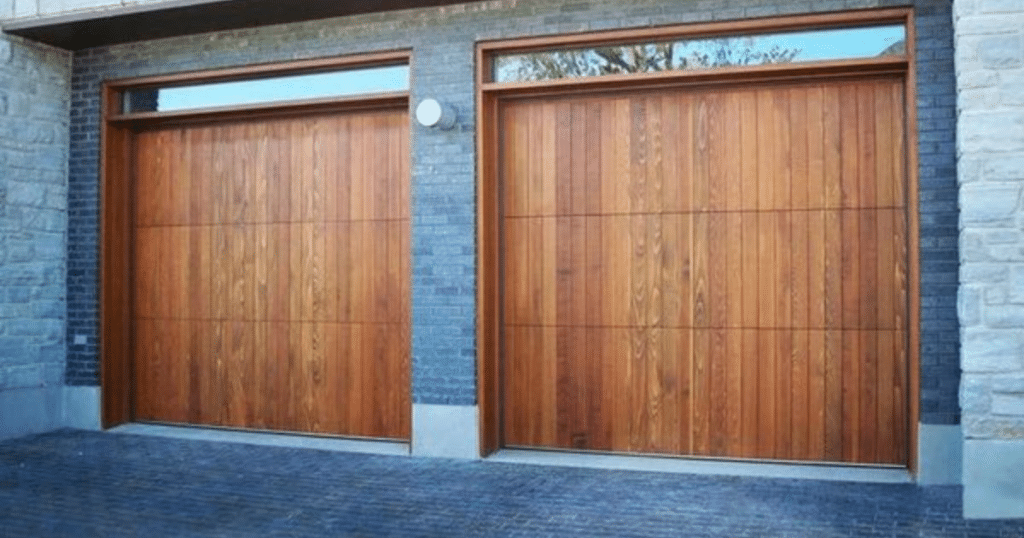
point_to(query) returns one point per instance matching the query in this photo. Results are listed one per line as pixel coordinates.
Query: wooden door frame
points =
(490, 94)
(117, 133)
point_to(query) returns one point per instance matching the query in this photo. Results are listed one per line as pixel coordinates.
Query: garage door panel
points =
(753, 232)
(259, 263)
(641, 270)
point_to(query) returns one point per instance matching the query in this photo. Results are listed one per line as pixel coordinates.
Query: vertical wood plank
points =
(850, 151)
(765, 150)
(751, 411)
(784, 393)
(817, 405)
(851, 395)
(834, 395)
(767, 410)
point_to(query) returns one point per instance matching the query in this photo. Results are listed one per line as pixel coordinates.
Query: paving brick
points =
(74, 483)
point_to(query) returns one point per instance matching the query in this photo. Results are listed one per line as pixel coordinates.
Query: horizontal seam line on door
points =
(274, 223)
(708, 211)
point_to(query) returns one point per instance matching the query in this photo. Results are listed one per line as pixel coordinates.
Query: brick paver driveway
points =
(72, 483)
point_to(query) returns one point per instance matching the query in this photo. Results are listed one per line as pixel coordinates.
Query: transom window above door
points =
(702, 52)
(359, 81)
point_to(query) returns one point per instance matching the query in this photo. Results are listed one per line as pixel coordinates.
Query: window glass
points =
(269, 90)
(703, 53)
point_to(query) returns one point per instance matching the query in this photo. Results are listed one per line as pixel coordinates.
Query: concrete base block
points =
(29, 411)
(993, 488)
(445, 431)
(81, 408)
(940, 455)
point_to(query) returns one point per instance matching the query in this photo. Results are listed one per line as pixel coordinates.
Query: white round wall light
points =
(431, 113)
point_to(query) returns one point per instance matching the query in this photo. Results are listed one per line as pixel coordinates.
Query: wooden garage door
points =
(717, 272)
(271, 268)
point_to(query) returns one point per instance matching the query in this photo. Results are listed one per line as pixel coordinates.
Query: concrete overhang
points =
(122, 24)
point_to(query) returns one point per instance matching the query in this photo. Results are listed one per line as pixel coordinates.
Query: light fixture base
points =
(433, 113)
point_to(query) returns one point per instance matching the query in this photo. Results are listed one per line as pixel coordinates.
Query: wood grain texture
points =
(707, 272)
(271, 274)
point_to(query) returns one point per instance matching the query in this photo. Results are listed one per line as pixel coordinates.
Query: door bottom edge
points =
(698, 465)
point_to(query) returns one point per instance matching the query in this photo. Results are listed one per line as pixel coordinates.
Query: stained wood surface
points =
(708, 272)
(272, 274)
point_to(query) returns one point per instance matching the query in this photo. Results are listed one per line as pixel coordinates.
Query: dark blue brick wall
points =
(443, 163)
(936, 123)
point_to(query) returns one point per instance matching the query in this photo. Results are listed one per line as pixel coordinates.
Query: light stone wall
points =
(34, 116)
(990, 78)
(19, 9)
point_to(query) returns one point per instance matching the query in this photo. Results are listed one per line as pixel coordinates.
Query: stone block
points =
(49, 309)
(983, 273)
(969, 306)
(970, 170)
(1008, 404)
(9, 311)
(22, 376)
(1004, 167)
(1000, 52)
(52, 7)
(1002, 237)
(992, 483)
(991, 23)
(973, 80)
(975, 394)
(49, 247)
(26, 194)
(31, 410)
(1005, 316)
(997, 295)
(42, 329)
(26, 8)
(993, 427)
(45, 220)
(986, 203)
(1011, 83)
(1012, 7)
(1008, 383)
(993, 350)
(1007, 253)
(987, 131)
(12, 350)
(978, 98)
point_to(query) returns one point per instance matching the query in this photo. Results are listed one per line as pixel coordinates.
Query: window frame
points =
(116, 90)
